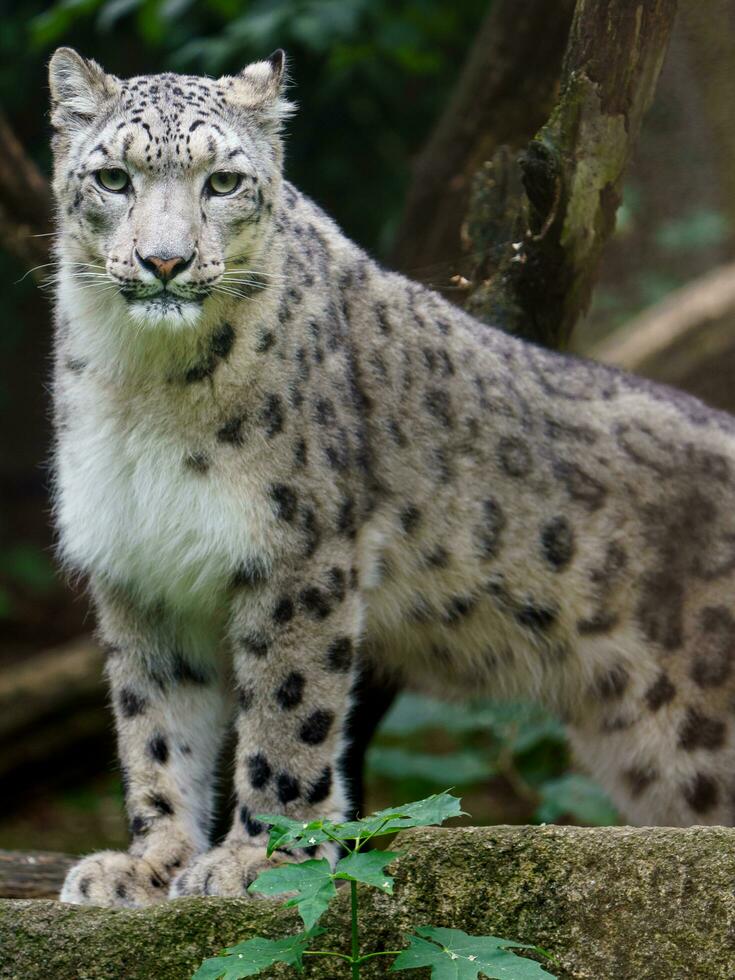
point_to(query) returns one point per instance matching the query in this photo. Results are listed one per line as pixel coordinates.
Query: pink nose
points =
(164, 269)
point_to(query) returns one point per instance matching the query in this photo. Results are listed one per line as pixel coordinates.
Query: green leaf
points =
(432, 811)
(699, 229)
(285, 831)
(311, 880)
(574, 795)
(520, 725)
(255, 955)
(453, 955)
(368, 867)
(6, 603)
(58, 20)
(29, 567)
(414, 713)
(171, 9)
(113, 10)
(467, 766)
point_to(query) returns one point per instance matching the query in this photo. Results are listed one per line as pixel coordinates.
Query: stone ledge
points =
(614, 903)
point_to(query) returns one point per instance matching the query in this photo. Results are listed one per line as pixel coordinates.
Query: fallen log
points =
(37, 874)
(53, 720)
(608, 903)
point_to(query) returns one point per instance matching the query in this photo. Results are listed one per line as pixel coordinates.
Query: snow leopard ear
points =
(79, 86)
(259, 88)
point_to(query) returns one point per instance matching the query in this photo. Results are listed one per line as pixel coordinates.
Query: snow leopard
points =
(279, 464)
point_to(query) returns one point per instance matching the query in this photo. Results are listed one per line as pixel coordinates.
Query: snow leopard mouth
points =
(164, 298)
(165, 308)
(167, 302)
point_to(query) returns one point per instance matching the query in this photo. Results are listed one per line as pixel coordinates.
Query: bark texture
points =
(503, 95)
(608, 903)
(553, 210)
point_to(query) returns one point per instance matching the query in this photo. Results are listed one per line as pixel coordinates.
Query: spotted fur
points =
(289, 461)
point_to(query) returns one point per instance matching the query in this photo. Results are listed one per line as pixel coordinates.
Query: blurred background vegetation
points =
(371, 78)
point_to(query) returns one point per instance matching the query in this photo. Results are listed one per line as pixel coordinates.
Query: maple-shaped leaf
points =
(431, 812)
(369, 868)
(255, 955)
(453, 955)
(311, 880)
(286, 832)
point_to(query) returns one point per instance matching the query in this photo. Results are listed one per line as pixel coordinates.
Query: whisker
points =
(44, 265)
(252, 272)
(250, 280)
(243, 281)
(227, 291)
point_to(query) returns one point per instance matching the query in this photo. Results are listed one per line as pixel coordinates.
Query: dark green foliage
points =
(310, 886)
(515, 744)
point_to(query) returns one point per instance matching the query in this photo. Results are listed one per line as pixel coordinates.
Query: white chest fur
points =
(130, 508)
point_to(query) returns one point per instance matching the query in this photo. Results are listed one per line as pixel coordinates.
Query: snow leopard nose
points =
(164, 268)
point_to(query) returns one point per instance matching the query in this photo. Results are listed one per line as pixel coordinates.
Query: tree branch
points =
(687, 339)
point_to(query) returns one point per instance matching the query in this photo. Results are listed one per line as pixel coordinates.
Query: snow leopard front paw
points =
(226, 871)
(114, 879)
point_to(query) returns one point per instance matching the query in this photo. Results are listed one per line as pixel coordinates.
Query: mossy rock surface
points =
(608, 903)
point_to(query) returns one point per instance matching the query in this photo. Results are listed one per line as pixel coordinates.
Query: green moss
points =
(609, 903)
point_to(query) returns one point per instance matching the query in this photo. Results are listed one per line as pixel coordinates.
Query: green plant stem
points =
(361, 841)
(337, 841)
(385, 952)
(327, 952)
(355, 934)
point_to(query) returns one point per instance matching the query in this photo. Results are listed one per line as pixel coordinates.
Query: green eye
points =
(113, 179)
(223, 182)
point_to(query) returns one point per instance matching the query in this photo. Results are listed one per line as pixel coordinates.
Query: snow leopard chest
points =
(141, 502)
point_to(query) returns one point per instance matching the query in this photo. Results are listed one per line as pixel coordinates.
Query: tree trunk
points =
(558, 202)
(503, 95)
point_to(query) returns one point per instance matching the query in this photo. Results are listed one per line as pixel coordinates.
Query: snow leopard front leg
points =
(169, 714)
(294, 643)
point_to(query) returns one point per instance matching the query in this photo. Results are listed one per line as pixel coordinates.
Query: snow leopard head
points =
(165, 184)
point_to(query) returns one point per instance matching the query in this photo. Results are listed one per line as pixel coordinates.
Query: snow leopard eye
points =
(113, 179)
(223, 182)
